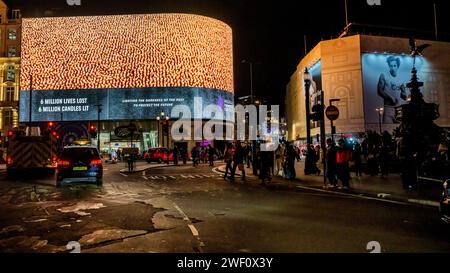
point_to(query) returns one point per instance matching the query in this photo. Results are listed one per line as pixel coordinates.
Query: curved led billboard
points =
(149, 57)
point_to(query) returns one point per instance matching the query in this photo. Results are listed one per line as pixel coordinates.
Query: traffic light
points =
(93, 131)
(317, 112)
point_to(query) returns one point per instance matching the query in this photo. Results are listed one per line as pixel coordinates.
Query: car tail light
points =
(9, 160)
(63, 163)
(96, 162)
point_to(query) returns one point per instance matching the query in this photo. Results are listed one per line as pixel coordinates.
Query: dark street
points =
(182, 209)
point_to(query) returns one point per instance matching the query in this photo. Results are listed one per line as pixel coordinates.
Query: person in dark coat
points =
(175, 155)
(343, 156)
(211, 153)
(266, 160)
(357, 154)
(290, 156)
(330, 159)
(195, 153)
(238, 161)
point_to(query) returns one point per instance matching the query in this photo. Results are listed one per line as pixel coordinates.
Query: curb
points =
(383, 197)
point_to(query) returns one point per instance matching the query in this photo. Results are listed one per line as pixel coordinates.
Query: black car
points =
(79, 164)
(444, 207)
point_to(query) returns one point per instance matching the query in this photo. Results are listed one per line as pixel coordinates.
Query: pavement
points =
(387, 189)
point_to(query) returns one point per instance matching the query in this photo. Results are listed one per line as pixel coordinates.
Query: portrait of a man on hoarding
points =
(392, 89)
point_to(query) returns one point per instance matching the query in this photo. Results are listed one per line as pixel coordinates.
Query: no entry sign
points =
(332, 112)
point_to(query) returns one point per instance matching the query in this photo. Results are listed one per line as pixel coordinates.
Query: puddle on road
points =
(103, 224)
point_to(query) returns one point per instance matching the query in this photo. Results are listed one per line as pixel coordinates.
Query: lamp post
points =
(99, 110)
(307, 79)
(162, 119)
(251, 63)
(380, 111)
(308, 160)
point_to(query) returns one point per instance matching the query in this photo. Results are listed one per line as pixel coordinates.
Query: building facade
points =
(10, 49)
(367, 73)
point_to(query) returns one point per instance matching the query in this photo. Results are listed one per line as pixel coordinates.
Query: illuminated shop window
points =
(12, 51)
(9, 94)
(12, 35)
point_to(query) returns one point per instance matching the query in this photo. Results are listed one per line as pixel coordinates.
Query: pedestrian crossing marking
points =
(182, 176)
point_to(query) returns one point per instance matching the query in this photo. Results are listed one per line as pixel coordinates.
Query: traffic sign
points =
(332, 112)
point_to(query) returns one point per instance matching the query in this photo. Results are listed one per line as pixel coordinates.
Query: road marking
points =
(123, 175)
(191, 226)
(185, 218)
(193, 230)
(173, 177)
(354, 195)
(424, 202)
(145, 177)
(106, 169)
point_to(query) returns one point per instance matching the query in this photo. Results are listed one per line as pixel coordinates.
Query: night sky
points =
(269, 32)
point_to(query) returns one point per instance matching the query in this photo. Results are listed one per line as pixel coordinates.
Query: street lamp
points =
(99, 110)
(307, 79)
(308, 160)
(251, 63)
(163, 119)
(380, 111)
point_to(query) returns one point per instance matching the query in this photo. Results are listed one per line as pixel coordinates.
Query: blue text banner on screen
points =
(119, 104)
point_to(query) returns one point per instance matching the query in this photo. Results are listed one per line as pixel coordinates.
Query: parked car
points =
(445, 206)
(158, 155)
(79, 164)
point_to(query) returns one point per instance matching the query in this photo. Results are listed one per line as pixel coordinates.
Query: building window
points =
(8, 118)
(10, 73)
(12, 51)
(9, 94)
(12, 35)
(1, 19)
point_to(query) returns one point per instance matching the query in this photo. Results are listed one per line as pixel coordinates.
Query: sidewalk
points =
(389, 188)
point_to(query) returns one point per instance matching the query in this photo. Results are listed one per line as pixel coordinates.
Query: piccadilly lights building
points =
(134, 66)
(366, 73)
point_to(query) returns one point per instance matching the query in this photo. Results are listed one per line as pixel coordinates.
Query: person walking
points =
(195, 155)
(238, 161)
(130, 161)
(291, 155)
(357, 159)
(279, 158)
(183, 153)
(266, 163)
(311, 161)
(175, 155)
(383, 160)
(228, 158)
(342, 160)
(331, 165)
(211, 153)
